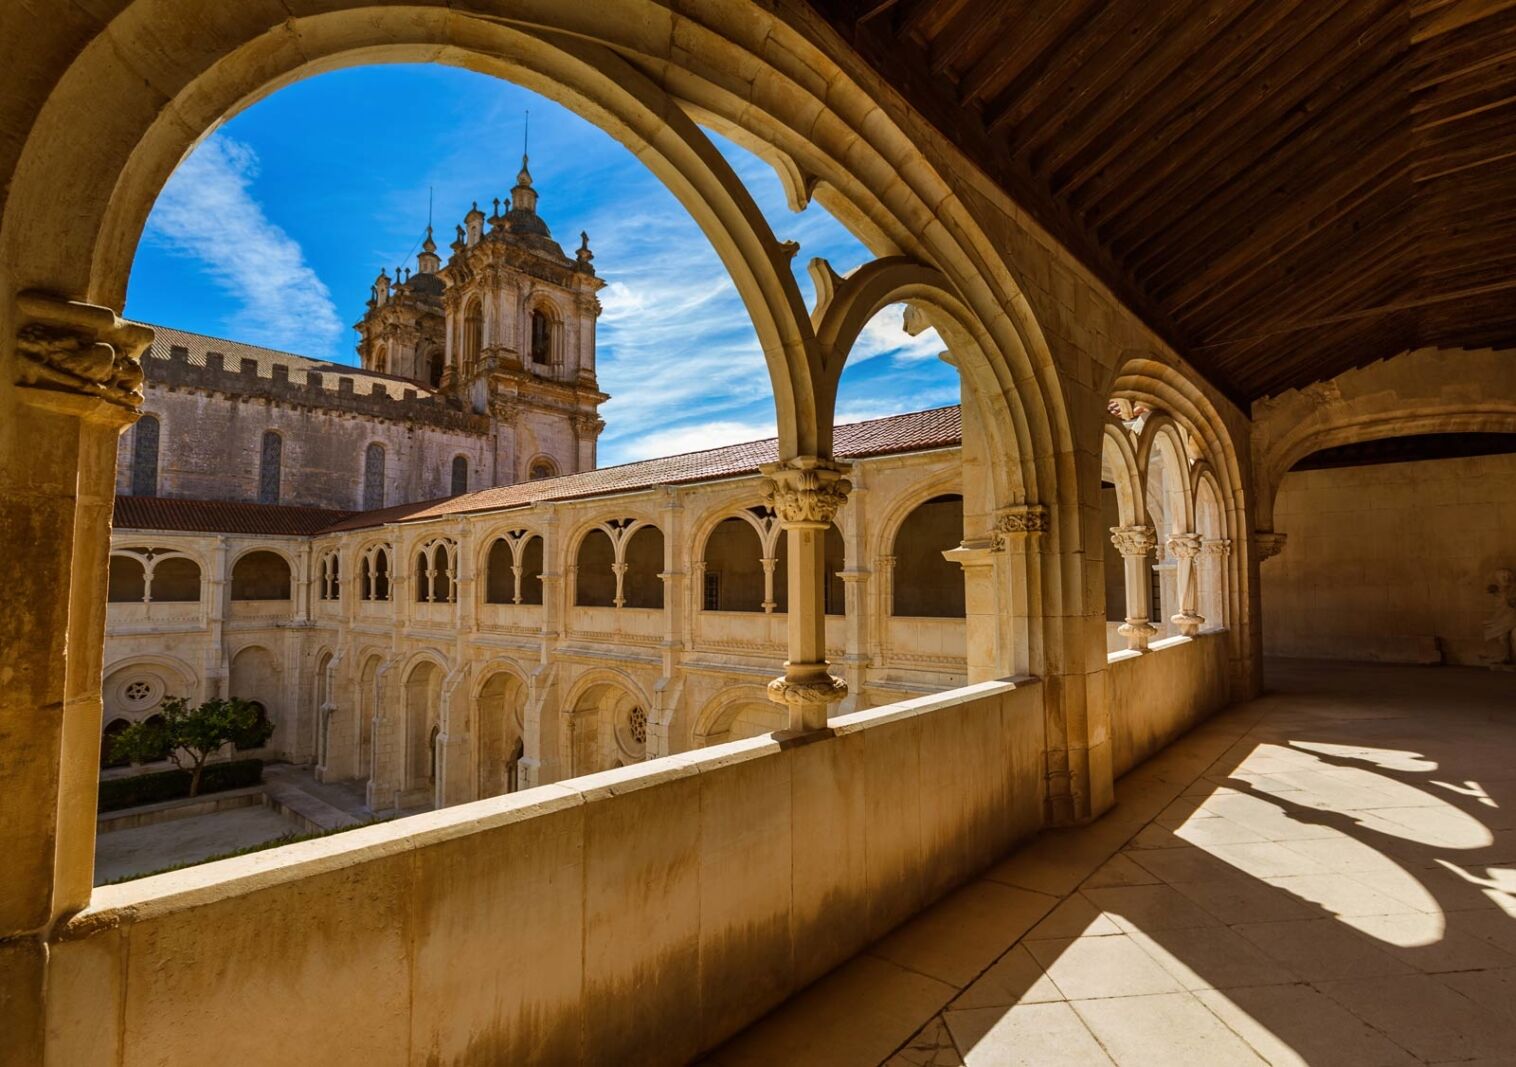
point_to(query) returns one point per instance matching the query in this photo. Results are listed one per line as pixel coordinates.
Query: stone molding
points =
(65, 346)
(1019, 520)
(805, 492)
(1183, 545)
(826, 689)
(1134, 540)
(1268, 544)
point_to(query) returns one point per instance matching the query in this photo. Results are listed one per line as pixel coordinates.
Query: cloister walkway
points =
(1325, 875)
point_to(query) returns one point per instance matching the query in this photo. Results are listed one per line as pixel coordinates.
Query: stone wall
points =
(1390, 562)
(1159, 694)
(650, 911)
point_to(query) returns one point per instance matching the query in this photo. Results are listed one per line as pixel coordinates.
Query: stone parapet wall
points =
(1159, 694)
(656, 907)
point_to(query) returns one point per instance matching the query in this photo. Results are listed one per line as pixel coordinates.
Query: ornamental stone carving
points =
(805, 491)
(70, 347)
(1220, 547)
(1183, 545)
(1020, 520)
(826, 689)
(1134, 540)
(1268, 544)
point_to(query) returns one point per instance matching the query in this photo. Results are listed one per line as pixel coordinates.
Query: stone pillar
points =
(71, 383)
(1019, 530)
(1184, 547)
(1135, 543)
(619, 569)
(806, 494)
(981, 611)
(1213, 555)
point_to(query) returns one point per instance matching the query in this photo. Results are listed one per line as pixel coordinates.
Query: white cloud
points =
(695, 437)
(884, 335)
(207, 212)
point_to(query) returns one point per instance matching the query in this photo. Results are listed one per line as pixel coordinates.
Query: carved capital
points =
(1134, 540)
(1220, 547)
(589, 425)
(1183, 545)
(1015, 522)
(64, 346)
(827, 689)
(1268, 544)
(805, 491)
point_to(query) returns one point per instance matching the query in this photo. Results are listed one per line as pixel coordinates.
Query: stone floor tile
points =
(1211, 957)
(1149, 907)
(1299, 1025)
(1163, 1030)
(1267, 859)
(1343, 854)
(1322, 949)
(1075, 917)
(1494, 926)
(1154, 837)
(858, 1014)
(1340, 894)
(1495, 989)
(1032, 1035)
(1432, 946)
(1179, 812)
(1186, 864)
(1015, 978)
(1217, 830)
(963, 934)
(1425, 1016)
(1119, 870)
(931, 1047)
(1237, 898)
(1091, 967)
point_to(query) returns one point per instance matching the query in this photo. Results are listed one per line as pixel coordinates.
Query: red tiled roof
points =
(917, 431)
(219, 516)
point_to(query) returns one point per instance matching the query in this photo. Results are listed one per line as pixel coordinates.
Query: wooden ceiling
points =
(1282, 188)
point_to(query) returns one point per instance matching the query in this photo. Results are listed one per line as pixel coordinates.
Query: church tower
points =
(505, 329)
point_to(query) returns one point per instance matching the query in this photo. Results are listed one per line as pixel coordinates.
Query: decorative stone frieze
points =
(1015, 522)
(1219, 547)
(806, 491)
(64, 346)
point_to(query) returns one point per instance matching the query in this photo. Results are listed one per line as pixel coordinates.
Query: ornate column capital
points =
(66, 348)
(1268, 544)
(1183, 545)
(1220, 547)
(1134, 541)
(805, 491)
(822, 689)
(1014, 523)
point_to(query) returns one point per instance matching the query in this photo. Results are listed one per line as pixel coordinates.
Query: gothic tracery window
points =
(268, 468)
(145, 457)
(373, 476)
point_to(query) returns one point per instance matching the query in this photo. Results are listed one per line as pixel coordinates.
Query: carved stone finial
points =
(1134, 540)
(65, 346)
(806, 491)
(1268, 544)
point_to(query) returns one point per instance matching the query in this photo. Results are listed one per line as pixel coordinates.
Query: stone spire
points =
(584, 258)
(428, 262)
(523, 196)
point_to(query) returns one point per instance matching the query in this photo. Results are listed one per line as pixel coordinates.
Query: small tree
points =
(190, 736)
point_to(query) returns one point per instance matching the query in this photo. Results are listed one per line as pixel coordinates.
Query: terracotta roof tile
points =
(219, 516)
(917, 431)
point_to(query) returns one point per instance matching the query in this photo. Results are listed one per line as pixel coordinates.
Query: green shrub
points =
(118, 793)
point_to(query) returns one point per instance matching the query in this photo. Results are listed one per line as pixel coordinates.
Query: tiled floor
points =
(1325, 876)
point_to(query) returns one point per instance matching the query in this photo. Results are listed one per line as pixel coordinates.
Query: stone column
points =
(1213, 554)
(981, 612)
(1019, 531)
(806, 494)
(1135, 543)
(1184, 547)
(71, 383)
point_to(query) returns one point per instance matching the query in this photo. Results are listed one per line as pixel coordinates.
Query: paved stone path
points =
(1326, 875)
(166, 844)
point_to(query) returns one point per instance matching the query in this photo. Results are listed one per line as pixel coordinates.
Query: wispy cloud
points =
(207, 212)
(695, 438)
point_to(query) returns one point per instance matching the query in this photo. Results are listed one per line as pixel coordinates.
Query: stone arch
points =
(924, 584)
(255, 674)
(376, 568)
(262, 574)
(541, 321)
(642, 556)
(421, 697)
(734, 546)
(150, 678)
(540, 468)
(365, 707)
(500, 714)
(737, 712)
(1162, 445)
(126, 580)
(322, 700)
(1119, 466)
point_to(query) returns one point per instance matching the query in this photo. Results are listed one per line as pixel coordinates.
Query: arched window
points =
(500, 577)
(460, 475)
(127, 581)
(373, 476)
(434, 369)
(926, 585)
(107, 739)
(423, 578)
(594, 577)
(145, 457)
(542, 337)
(331, 577)
(268, 468)
(531, 571)
(261, 575)
(434, 574)
(540, 469)
(734, 578)
(176, 580)
(374, 574)
(381, 360)
(640, 586)
(473, 336)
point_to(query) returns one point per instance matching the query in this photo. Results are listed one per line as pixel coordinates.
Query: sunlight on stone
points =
(1388, 758)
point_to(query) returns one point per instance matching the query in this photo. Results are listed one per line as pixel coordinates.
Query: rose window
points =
(638, 726)
(140, 694)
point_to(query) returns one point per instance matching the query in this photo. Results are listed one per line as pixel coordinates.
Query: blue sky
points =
(273, 228)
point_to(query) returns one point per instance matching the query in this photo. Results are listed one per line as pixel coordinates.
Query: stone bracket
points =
(68, 347)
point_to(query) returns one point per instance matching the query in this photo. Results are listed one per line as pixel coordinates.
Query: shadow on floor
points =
(1326, 875)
